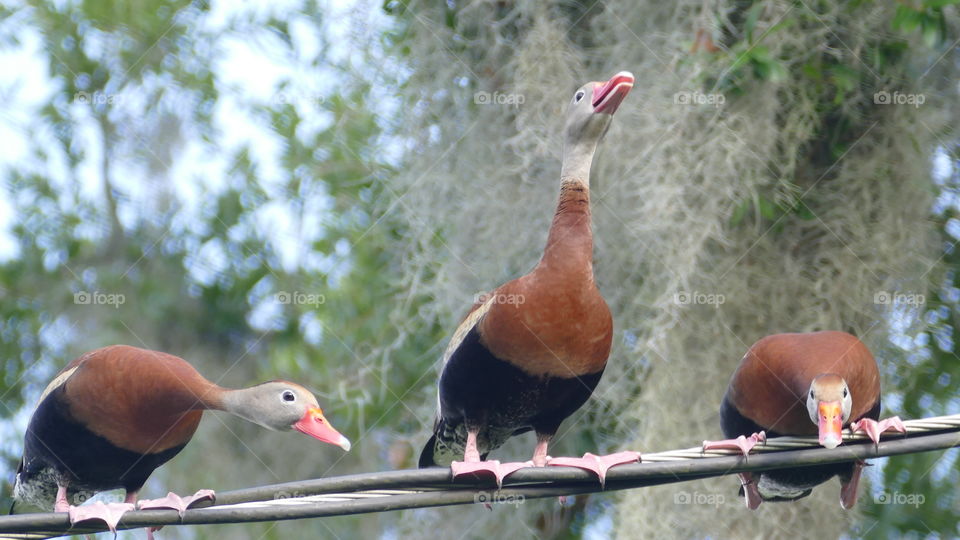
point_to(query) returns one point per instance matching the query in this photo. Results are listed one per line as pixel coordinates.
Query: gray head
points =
(829, 403)
(282, 406)
(588, 118)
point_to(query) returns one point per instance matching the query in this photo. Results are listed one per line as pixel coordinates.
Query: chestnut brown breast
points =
(139, 400)
(558, 330)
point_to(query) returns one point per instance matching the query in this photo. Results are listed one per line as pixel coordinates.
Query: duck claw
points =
(493, 467)
(874, 429)
(176, 502)
(742, 443)
(598, 465)
(109, 513)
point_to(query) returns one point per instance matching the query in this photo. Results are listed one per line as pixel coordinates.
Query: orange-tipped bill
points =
(607, 97)
(830, 422)
(315, 425)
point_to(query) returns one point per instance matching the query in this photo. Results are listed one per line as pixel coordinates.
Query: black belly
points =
(478, 390)
(77, 456)
(795, 481)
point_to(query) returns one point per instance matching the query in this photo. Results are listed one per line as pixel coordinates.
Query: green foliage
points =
(927, 384)
(746, 58)
(928, 387)
(926, 16)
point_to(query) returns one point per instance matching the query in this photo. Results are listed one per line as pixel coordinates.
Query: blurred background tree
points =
(310, 190)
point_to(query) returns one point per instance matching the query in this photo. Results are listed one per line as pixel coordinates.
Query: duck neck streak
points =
(570, 242)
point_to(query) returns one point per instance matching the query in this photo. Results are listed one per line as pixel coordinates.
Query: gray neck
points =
(243, 403)
(577, 159)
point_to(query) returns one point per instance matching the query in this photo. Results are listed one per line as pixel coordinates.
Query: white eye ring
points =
(578, 96)
(288, 396)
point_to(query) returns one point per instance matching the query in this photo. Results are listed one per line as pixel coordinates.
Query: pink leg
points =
(471, 463)
(61, 505)
(599, 465)
(540, 452)
(540, 457)
(873, 429)
(131, 498)
(751, 493)
(848, 489)
(744, 444)
(470, 453)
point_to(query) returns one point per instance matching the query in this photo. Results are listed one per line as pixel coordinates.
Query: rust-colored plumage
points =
(115, 414)
(146, 401)
(801, 384)
(771, 384)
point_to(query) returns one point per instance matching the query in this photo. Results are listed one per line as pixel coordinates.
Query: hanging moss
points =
(751, 164)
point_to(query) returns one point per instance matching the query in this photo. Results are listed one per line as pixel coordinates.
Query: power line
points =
(405, 489)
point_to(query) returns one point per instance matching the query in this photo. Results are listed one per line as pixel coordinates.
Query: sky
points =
(254, 67)
(249, 71)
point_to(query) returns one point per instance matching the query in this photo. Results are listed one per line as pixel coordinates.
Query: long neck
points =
(210, 396)
(570, 242)
(577, 158)
(174, 387)
(239, 402)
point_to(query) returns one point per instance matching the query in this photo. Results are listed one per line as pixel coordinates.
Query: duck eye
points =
(288, 396)
(578, 96)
